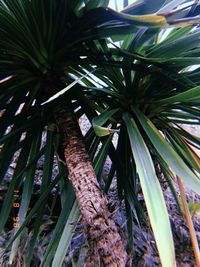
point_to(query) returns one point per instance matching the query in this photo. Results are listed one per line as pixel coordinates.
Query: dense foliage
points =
(129, 74)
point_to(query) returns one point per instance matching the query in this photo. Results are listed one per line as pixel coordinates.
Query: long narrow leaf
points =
(168, 154)
(66, 236)
(152, 194)
(191, 95)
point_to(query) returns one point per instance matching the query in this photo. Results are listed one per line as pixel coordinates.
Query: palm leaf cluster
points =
(128, 76)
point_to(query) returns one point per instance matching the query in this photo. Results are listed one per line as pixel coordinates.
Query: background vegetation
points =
(135, 76)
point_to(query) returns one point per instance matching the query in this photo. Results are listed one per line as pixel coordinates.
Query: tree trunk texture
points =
(106, 247)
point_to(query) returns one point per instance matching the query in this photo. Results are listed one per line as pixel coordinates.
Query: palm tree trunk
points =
(102, 233)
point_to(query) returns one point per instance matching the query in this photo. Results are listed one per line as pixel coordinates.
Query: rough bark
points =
(102, 233)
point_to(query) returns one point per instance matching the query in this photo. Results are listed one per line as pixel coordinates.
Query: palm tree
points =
(147, 101)
(49, 55)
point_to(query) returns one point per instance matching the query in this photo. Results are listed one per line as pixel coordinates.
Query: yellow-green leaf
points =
(168, 154)
(153, 195)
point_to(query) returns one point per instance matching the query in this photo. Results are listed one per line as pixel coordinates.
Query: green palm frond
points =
(158, 97)
(143, 88)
